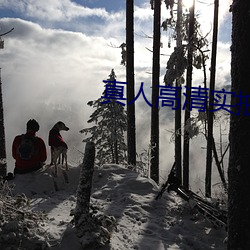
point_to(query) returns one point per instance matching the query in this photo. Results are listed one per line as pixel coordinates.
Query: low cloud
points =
(50, 73)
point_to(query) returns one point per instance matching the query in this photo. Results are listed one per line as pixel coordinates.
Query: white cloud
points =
(53, 10)
(205, 12)
(143, 13)
(51, 73)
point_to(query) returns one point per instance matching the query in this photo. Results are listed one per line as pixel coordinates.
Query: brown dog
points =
(58, 146)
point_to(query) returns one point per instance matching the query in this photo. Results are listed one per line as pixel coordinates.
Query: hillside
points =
(141, 221)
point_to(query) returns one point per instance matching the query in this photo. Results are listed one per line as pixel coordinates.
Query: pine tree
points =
(108, 132)
(188, 53)
(178, 156)
(186, 144)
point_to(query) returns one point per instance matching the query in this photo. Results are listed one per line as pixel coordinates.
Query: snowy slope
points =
(141, 221)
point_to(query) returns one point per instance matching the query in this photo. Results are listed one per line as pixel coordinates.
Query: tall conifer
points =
(110, 121)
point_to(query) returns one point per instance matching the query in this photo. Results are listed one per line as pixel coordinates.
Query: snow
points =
(141, 221)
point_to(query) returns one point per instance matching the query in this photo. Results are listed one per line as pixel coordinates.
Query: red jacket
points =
(55, 139)
(37, 159)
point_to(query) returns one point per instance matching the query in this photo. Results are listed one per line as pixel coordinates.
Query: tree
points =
(131, 128)
(154, 167)
(108, 132)
(178, 84)
(187, 53)
(188, 98)
(85, 183)
(3, 163)
(211, 101)
(239, 135)
(92, 228)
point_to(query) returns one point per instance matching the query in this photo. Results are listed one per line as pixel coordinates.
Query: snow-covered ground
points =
(141, 221)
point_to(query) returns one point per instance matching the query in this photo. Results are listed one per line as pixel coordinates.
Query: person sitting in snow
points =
(29, 150)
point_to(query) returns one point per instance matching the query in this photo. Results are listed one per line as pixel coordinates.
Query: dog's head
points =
(61, 126)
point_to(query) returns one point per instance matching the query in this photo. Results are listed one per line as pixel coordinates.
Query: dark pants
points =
(25, 171)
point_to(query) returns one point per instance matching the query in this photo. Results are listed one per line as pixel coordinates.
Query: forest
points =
(218, 115)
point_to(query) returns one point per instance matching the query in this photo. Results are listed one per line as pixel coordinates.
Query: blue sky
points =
(60, 51)
(67, 14)
(108, 5)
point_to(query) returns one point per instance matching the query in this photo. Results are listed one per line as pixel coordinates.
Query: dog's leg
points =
(51, 156)
(55, 158)
(63, 157)
(56, 170)
(66, 161)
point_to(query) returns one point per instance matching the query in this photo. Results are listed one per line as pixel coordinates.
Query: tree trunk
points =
(188, 97)
(217, 162)
(131, 131)
(211, 101)
(93, 231)
(178, 111)
(115, 128)
(81, 215)
(116, 152)
(154, 167)
(3, 162)
(239, 136)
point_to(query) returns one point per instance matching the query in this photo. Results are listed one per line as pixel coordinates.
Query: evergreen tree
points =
(108, 132)
(186, 144)
(188, 53)
(178, 156)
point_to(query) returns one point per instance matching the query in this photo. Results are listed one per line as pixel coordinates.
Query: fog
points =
(50, 72)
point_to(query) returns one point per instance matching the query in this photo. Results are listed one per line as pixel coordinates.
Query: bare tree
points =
(239, 136)
(3, 162)
(154, 167)
(84, 186)
(211, 101)
(131, 131)
(93, 230)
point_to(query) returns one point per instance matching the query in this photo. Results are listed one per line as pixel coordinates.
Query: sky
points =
(60, 51)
